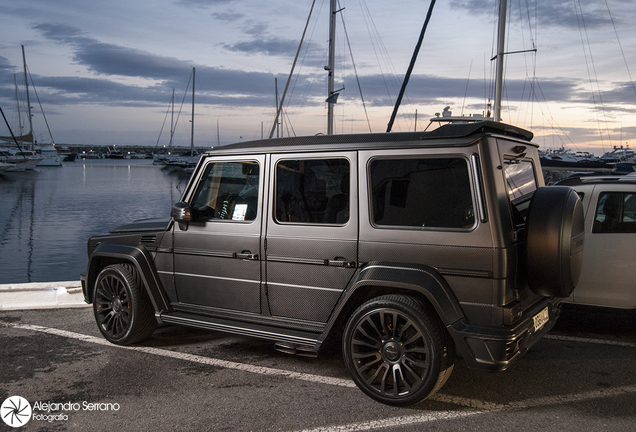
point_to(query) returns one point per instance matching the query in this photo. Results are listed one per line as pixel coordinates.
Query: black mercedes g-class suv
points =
(412, 249)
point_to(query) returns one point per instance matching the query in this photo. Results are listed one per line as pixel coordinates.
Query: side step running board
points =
(299, 350)
(288, 337)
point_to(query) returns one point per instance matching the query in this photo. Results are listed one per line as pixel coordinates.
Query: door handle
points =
(246, 255)
(340, 262)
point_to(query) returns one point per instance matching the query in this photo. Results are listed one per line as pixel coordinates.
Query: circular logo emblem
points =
(392, 351)
(15, 411)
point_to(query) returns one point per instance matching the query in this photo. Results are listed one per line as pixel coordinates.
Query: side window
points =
(228, 191)
(427, 192)
(615, 213)
(312, 191)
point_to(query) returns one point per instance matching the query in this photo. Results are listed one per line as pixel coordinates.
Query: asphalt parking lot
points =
(580, 377)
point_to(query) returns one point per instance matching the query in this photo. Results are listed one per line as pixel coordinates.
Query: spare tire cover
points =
(555, 239)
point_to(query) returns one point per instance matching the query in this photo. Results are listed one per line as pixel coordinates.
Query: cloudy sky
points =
(105, 71)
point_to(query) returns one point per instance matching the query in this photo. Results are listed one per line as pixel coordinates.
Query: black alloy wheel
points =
(396, 352)
(121, 305)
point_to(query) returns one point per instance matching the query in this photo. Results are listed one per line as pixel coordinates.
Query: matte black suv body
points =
(414, 248)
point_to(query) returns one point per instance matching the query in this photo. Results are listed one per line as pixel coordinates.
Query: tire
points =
(121, 305)
(555, 233)
(396, 351)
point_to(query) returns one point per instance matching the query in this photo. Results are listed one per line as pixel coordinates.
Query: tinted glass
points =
(615, 213)
(519, 178)
(422, 193)
(229, 191)
(312, 191)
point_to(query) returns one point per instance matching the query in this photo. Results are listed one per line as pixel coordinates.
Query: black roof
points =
(452, 133)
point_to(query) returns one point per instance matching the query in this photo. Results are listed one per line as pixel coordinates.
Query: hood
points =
(143, 225)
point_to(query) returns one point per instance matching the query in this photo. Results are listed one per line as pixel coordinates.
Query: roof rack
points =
(456, 131)
(609, 178)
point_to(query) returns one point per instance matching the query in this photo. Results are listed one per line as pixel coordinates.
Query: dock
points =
(41, 295)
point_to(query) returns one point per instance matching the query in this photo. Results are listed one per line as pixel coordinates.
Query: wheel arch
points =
(423, 283)
(108, 253)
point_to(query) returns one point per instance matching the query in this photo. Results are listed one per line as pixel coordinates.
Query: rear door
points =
(312, 233)
(608, 276)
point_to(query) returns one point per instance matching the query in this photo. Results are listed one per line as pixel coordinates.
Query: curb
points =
(41, 295)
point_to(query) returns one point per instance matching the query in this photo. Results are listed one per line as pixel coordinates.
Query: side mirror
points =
(182, 214)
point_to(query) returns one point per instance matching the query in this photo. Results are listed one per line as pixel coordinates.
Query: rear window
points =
(520, 179)
(421, 193)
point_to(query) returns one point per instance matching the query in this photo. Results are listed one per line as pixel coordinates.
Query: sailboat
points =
(14, 158)
(447, 115)
(185, 160)
(30, 150)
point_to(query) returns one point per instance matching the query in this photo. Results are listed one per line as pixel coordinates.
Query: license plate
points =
(541, 319)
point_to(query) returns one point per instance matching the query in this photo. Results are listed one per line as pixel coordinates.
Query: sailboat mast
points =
(26, 85)
(277, 105)
(500, 59)
(171, 122)
(192, 131)
(330, 67)
(17, 99)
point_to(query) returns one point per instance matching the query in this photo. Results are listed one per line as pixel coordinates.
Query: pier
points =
(126, 149)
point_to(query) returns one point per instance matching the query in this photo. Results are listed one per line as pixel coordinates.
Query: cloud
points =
(270, 46)
(229, 16)
(240, 88)
(59, 32)
(5, 67)
(432, 89)
(553, 13)
(622, 93)
(255, 28)
(109, 59)
(203, 3)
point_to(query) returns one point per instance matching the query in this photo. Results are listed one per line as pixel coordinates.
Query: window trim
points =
(623, 194)
(525, 197)
(301, 157)
(471, 183)
(202, 178)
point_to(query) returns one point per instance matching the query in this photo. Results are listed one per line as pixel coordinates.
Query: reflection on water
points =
(47, 215)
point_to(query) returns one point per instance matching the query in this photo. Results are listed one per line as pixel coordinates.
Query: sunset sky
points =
(104, 71)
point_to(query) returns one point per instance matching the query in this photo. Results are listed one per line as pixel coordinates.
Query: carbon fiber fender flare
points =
(136, 255)
(415, 278)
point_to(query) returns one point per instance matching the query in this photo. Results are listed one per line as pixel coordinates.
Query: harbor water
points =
(48, 214)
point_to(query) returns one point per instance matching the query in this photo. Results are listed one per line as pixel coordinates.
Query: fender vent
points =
(148, 238)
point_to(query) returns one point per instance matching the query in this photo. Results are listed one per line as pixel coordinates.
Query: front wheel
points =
(396, 351)
(121, 305)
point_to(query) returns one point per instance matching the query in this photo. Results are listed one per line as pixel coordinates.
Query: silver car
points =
(608, 277)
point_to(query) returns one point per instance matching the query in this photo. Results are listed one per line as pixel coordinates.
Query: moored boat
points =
(114, 153)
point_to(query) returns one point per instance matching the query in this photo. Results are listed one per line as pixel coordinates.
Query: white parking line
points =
(473, 406)
(400, 421)
(189, 357)
(589, 340)
(431, 416)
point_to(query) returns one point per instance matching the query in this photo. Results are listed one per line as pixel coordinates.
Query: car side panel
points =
(608, 277)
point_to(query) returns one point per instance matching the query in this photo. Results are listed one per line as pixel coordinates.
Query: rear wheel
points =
(121, 305)
(396, 351)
